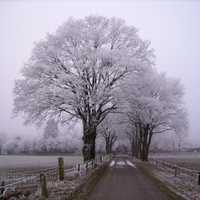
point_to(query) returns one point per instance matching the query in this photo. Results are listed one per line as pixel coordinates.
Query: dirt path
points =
(123, 181)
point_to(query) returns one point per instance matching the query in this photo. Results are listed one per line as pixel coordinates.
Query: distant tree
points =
(13, 145)
(108, 133)
(75, 73)
(154, 105)
(51, 130)
(121, 148)
(3, 140)
(130, 134)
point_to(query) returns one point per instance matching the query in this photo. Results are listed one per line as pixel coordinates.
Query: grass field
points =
(184, 159)
(23, 161)
(190, 160)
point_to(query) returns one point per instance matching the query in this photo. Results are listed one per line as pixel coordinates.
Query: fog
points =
(172, 27)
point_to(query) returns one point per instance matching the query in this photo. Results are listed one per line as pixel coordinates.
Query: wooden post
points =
(86, 167)
(97, 161)
(175, 170)
(93, 164)
(61, 171)
(79, 168)
(43, 185)
(199, 178)
(101, 158)
(156, 164)
(2, 187)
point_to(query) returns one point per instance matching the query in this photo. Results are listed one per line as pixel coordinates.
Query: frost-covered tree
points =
(154, 105)
(107, 131)
(3, 140)
(12, 145)
(51, 129)
(74, 73)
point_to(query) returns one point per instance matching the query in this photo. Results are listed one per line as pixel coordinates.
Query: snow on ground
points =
(121, 163)
(20, 161)
(182, 184)
(112, 163)
(130, 164)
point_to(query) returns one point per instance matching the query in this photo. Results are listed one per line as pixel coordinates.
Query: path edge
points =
(87, 186)
(169, 191)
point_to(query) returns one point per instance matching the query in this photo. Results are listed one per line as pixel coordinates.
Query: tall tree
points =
(107, 131)
(154, 105)
(75, 73)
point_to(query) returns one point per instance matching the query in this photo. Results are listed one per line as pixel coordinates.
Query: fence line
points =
(176, 169)
(33, 178)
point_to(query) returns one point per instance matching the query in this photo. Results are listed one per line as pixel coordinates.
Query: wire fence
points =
(188, 175)
(18, 183)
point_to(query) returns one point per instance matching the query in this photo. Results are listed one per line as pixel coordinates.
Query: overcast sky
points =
(173, 27)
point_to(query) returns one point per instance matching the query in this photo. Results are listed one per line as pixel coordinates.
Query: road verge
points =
(147, 170)
(88, 184)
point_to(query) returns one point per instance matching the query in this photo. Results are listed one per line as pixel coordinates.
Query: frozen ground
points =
(184, 184)
(184, 159)
(14, 161)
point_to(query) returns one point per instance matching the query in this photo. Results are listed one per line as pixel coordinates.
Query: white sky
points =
(173, 27)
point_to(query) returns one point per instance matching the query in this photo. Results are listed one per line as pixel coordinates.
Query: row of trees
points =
(51, 141)
(94, 67)
(23, 145)
(108, 133)
(154, 105)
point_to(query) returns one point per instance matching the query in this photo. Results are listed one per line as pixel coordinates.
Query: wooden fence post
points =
(61, 170)
(175, 171)
(101, 158)
(2, 187)
(79, 168)
(86, 167)
(93, 163)
(43, 185)
(97, 161)
(199, 178)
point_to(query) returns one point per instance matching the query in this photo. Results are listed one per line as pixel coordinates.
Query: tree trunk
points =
(137, 142)
(143, 137)
(148, 144)
(145, 150)
(147, 136)
(110, 147)
(89, 140)
(107, 146)
(133, 148)
(144, 132)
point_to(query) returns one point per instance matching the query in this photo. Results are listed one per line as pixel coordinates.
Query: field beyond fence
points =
(176, 170)
(59, 180)
(183, 180)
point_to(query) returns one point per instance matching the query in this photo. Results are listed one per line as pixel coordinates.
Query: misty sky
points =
(173, 27)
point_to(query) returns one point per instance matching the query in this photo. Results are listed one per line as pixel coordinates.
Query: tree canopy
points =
(75, 73)
(95, 66)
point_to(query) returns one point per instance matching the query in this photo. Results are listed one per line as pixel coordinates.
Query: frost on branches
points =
(153, 104)
(107, 131)
(75, 72)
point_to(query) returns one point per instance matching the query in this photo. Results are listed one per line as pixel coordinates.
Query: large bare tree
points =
(75, 72)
